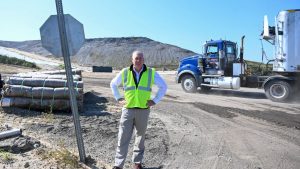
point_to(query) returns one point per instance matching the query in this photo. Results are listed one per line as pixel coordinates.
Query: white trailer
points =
(285, 36)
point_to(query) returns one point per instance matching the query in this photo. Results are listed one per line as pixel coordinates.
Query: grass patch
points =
(61, 66)
(62, 156)
(16, 61)
(6, 157)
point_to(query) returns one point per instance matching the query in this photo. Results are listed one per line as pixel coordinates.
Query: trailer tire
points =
(278, 91)
(188, 84)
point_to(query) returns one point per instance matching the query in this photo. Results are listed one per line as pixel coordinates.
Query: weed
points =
(48, 116)
(61, 66)
(16, 61)
(6, 157)
(63, 157)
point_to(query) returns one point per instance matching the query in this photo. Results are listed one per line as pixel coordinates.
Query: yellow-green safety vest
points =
(137, 96)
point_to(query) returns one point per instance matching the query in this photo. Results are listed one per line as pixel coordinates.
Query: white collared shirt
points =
(137, 74)
(158, 81)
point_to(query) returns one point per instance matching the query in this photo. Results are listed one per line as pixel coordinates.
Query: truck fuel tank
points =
(222, 82)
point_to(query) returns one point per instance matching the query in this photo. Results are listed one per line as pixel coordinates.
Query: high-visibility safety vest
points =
(136, 96)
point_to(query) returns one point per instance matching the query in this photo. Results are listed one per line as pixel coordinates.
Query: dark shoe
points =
(138, 166)
(115, 167)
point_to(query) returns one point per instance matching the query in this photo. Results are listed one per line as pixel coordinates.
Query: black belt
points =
(136, 108)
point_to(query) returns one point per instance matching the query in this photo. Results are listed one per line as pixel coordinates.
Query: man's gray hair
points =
(137, 52)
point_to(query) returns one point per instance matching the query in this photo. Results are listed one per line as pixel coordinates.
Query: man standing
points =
(137, 83)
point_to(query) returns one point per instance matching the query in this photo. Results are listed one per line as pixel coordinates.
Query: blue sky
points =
(184, 23)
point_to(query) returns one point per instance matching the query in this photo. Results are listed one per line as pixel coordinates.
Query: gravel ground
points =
(218, 130)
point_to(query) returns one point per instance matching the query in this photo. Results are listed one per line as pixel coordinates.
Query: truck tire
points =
(278, 91)
(188, 84)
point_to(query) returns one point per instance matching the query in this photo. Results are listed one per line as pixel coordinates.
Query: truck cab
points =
(212, 69)
(219, 56)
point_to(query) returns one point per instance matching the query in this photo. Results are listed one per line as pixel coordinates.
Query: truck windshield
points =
(212, 49)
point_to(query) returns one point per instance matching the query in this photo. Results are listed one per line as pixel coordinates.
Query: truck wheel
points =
(188, 84)
(278, 91)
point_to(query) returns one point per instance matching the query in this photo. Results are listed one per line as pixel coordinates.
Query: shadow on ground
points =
(235, 93)
(278, 117)
(94, 104)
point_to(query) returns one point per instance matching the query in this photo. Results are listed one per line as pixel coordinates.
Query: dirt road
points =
(220, 130)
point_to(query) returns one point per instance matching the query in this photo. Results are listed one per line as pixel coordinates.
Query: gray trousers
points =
(131, 119)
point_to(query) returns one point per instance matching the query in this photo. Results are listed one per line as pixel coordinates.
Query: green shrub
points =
(63, 157)
(6, 157)
(61, 66)
(257, 68)
(16, 61)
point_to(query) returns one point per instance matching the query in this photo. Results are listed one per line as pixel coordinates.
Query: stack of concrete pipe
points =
(41, 91)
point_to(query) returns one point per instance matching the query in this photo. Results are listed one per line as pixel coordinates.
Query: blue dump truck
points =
(221, 67)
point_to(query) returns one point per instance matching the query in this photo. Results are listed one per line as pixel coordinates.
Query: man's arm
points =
(114, 86)
(162, 87)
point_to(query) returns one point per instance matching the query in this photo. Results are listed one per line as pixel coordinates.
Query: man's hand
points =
(122, 101)
(150, 103)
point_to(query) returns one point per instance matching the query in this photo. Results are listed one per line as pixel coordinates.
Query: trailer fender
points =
(278, 77)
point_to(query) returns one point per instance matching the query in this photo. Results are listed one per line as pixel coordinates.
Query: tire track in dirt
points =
(245, 125)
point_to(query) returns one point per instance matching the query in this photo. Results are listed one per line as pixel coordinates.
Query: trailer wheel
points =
(278, 91)
(188, 84)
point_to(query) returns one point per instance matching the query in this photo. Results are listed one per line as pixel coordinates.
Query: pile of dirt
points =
(109, 51)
